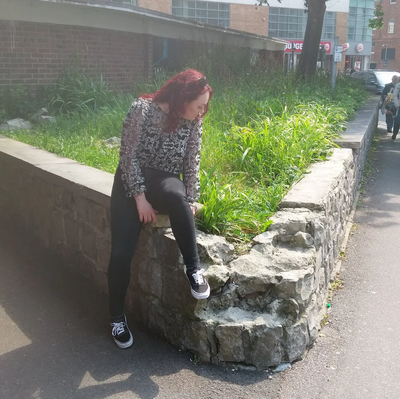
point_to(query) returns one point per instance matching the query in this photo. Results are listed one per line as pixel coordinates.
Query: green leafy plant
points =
(377, 21)
(261, 134)
(20, 101)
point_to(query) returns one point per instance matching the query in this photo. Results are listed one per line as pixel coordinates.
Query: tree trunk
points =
(312, 37)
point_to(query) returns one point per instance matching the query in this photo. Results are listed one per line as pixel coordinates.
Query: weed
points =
(325, 320)
(195, 360)
(337, 284)
(353, 228)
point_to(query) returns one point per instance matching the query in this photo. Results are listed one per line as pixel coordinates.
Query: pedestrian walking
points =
(161, 140)
(396, 113)
(387, 93)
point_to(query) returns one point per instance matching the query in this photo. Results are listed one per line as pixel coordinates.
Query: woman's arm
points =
(131, 172)
(191, 163)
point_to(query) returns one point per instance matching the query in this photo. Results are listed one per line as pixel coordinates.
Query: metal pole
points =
(386, 56)
(333, 72)
(292, 55)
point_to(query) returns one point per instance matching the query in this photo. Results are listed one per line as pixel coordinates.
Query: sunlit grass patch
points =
(260, 136)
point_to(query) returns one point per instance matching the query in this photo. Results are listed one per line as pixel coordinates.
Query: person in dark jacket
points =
(389, 116)
(396, 113)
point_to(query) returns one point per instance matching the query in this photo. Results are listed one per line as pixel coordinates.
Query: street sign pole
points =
(337, 57)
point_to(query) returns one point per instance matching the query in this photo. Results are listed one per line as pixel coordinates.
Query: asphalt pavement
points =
(55, 338)
(357, 354)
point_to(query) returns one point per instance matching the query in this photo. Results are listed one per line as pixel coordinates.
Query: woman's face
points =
(196, 107)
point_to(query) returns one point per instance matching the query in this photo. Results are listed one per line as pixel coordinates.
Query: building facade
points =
(345, 19)
(116, 38)
(386, 45)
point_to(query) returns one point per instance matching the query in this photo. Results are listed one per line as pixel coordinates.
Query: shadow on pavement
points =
(56, 341)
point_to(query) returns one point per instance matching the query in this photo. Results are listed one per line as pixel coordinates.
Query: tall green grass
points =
(261, 134)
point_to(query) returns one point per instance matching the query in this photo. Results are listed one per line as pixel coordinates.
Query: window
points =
(392, 1)
(391, 53)
(212, 13)
(388, 54)
(360, 12)
(391, 26)
(290, 23)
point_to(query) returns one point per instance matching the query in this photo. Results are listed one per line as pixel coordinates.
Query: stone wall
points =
(266, 306)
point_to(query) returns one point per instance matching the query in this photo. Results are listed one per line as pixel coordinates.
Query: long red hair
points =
(177, 92)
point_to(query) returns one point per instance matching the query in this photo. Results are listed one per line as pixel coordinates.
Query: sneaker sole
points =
(203, 295)
(124, 345)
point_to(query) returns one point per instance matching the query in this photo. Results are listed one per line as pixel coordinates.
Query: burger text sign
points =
(297, 46)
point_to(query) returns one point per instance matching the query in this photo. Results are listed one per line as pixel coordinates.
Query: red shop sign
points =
(298, 46)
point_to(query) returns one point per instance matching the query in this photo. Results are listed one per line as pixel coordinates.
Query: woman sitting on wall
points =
(161, 139)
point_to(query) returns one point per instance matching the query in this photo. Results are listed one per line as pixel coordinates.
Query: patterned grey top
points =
(145, 144)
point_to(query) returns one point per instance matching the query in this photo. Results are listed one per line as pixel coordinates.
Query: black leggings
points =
(167, 194)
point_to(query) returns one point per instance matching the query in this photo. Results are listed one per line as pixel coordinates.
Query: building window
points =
(290, 23)
(388, 54)
(203, 11)
(360, 12)
(392, 1)
(391, 26)
(126, 2)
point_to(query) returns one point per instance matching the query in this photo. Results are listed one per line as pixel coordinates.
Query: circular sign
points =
(345, 47)
(359, 48)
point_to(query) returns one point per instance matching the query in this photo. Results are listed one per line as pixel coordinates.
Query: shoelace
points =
(118, 328)
(198, 277)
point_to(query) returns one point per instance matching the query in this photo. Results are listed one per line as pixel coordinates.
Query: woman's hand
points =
(193, 208)
(146, 212)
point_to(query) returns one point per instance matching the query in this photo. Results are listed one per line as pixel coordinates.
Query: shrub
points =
(20, 101)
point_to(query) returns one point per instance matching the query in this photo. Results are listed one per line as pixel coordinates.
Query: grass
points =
(262, 132)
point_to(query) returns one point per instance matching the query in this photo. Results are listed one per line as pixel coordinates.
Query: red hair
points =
(177, 92)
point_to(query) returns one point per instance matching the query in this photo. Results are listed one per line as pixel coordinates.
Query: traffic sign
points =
(338, 54)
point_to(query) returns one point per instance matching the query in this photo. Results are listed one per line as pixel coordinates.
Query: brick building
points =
(346, 19)
(38, 38)
(386, 45)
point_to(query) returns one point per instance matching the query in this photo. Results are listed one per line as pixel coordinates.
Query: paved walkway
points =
(55, 341)
(357, 356)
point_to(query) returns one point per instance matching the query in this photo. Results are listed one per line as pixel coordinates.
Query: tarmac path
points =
(55, 339)
(357, 356)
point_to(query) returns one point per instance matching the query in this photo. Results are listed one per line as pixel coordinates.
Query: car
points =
(375, 79)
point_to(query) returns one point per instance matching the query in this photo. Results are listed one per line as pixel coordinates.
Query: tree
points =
(377, 21)
(309, 55)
